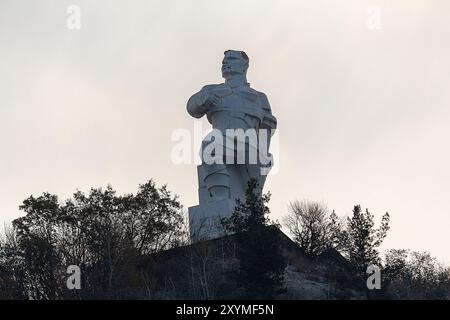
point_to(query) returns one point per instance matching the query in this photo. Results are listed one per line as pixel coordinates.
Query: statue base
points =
(205, 219)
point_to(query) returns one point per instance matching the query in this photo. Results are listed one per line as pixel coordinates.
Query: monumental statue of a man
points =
(236, 151)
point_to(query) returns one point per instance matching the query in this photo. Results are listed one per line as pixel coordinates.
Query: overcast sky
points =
(363, 113)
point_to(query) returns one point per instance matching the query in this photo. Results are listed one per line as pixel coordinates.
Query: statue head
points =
(234, 63)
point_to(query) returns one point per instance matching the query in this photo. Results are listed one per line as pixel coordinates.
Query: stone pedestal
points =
(205, 219)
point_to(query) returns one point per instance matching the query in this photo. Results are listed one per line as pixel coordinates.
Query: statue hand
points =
(211, 99)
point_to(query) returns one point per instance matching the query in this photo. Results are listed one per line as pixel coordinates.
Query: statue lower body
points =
(220, 184)
(230, 181)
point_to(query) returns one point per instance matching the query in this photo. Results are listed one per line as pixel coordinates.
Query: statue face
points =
(233, 64)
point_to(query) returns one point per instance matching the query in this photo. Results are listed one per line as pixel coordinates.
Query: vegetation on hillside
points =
(136, 246)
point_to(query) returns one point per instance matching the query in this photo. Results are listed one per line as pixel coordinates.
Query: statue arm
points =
(269, 121)
(197, 106)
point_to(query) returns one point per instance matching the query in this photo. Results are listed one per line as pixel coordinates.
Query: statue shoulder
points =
(210, 87)
(262, 96)
(263, 99)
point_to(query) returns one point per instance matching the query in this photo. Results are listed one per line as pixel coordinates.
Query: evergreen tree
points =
(261, 263)
(361, 239)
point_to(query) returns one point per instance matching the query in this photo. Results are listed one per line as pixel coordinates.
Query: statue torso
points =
(238, 108)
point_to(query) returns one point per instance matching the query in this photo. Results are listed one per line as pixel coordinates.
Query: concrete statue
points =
(236, 150)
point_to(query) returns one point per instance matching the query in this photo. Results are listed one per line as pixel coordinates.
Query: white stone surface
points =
(229, 105)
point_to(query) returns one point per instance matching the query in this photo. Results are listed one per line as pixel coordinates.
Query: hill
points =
(203, 271)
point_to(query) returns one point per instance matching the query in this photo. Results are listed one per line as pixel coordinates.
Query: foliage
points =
(360, 239)
(417, 276)
(102, 233)
(261, 263)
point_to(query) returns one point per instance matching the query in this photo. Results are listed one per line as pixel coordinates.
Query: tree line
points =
(405, 274)
(103, 233)
(121, 243)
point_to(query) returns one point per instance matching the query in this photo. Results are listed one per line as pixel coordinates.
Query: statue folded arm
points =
(200, 102)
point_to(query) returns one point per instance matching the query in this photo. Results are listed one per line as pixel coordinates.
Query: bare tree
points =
(309, 222)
